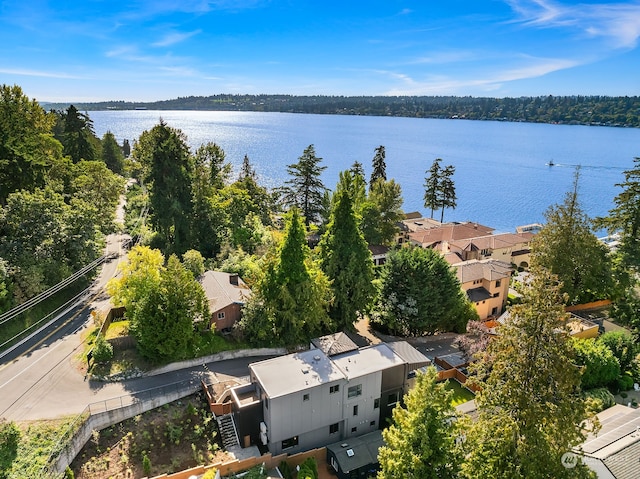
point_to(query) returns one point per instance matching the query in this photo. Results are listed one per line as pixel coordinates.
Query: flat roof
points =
(294, 372)
(366, 360)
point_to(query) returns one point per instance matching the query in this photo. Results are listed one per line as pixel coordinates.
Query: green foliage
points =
(9, 439)
(624, 218)
(75, 132)
(623, 347)
(346, 260)
(439, 189)
(567, 247)
(382, 212)
(146, 464)
(210, 473)
(163, 320)
(285, 470)
(68, 473)
(305, 189)
(599, 399)
(420, 293)
(27, 146)
(600, 365)
(420, 442)
(530, 410)
(379, 166)
(112, 153)
(308, 469)
(102, 350)
(193, 262)
(289, 303)
(168, 171)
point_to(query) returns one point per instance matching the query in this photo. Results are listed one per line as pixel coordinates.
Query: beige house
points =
(226, 294)
(438, 237)
(486, 283)
(512, 248)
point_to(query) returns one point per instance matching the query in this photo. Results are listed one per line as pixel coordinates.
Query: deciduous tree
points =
(600, 366)
(530, 410)
(419, 293)
(420, 443)
(27, 146)
(567, 247)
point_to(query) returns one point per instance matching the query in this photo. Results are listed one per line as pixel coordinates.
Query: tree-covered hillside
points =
(587, 110)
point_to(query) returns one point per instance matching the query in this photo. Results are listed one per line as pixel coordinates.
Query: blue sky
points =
(142, 50)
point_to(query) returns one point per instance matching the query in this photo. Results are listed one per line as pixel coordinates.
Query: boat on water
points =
(551, 163)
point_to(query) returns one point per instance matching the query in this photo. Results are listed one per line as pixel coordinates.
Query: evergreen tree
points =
(112, 153)
(448, 198)
(168, 165)
(379, 166)
(530, 409)
(289, 304)
(126, 148)
(419, 293)
(382, 213)
(567, 247)
(209, 218)
(421, 441)
(357, 169)
(78, 139)
(346, 260)
(432, 187)
(247, 171)
(305, 189)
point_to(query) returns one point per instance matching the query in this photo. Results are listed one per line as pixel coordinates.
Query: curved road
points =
(43, 378)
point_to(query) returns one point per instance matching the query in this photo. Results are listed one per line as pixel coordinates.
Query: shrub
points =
(308, 469)
(210, 474)
(68, 473)
(623, 383)
(146, 465)
(102, 350)
(285, 470)
(599, 399)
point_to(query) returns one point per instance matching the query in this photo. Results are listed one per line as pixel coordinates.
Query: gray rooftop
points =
(221, 291)
(366, 361)
(294, 372)
(356, 452)
(333, 344)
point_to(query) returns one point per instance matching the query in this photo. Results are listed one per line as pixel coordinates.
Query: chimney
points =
(233, 279)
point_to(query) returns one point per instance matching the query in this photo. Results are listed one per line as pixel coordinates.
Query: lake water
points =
(502, 179)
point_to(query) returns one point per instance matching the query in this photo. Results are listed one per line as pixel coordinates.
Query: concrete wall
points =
(223, 356)
(99, 421)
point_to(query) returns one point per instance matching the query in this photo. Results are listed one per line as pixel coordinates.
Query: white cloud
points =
(618, 23)
(444, 85)
(39, 73)
(175, 37)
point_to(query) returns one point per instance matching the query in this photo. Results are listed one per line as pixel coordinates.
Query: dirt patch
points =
(173, 437)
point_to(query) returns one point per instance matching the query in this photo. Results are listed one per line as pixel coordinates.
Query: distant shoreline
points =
(561, 110)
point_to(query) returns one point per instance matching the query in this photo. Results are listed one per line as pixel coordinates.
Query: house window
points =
(494, 311)
(496, 295)
(354, 391)
(289, 443)
(220, 316)
(355, 410)
(305, 397)
(393, 399)
(334, 389)
(376, 403)
(372, 423)
(334, 428)
(354, 429)
(497, 283)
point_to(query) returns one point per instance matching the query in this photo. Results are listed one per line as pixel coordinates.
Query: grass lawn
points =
(460, 394)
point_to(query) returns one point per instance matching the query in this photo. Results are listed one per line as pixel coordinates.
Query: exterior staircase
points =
(228, 432)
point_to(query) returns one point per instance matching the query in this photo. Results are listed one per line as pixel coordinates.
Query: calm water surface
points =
(501, 178)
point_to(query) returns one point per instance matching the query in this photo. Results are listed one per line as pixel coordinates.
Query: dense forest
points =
(584, 110)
